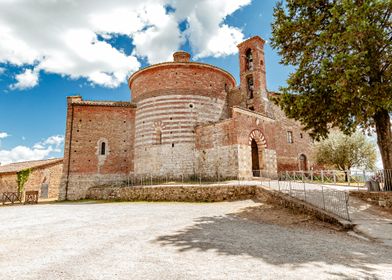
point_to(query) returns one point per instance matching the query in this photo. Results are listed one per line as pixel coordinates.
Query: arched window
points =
(249, 60)
(250, 87)
(102, 149)
(158, 137)
(303, 163)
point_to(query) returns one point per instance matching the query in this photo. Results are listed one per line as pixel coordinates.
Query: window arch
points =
(249, 60)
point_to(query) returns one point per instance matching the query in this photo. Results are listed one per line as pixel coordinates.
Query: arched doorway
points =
(257, 145)
(255, 159)
(303, 163)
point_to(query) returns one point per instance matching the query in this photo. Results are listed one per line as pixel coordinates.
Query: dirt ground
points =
(227, 240)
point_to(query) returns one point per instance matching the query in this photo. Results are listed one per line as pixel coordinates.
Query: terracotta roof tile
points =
(17, 166)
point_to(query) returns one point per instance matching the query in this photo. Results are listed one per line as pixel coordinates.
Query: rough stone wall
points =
(177, 193)
(217, 150)
(383, 199)
(50, 175)
(165, 159)
(79, 184)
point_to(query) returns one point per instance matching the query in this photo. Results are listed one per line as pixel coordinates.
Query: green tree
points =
(345, 152)
(341, 51)
(21, 178)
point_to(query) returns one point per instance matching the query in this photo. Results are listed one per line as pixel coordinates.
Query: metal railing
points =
(336, 177)
(332, 200)
(380, 180)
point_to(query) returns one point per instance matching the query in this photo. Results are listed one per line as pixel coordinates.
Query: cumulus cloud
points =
(206, 32)
(65, 37)
(25, 80)
(41, 150)
(4, 135)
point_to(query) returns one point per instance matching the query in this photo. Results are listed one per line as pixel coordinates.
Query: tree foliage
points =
(342, 54)
(345, 152)
(22, 177)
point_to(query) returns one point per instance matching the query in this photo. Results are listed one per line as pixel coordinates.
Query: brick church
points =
(185, 119)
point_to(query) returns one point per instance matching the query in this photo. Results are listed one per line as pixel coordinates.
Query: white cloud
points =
(26, 80)
(41, 150)
(4, 135)
(207, 33)
(62, 37)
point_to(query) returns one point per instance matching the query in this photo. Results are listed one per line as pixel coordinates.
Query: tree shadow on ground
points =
(237, 234)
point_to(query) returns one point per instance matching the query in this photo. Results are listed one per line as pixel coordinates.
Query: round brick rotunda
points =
(172, 99)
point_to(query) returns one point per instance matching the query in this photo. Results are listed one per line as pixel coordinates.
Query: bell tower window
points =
(249, 60)
(250, 87)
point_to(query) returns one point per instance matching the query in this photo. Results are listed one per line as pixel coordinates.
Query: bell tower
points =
(252, 74)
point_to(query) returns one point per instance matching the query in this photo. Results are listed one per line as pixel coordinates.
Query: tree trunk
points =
(384, 141)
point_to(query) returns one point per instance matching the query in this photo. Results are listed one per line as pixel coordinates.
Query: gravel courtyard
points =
(228, 240)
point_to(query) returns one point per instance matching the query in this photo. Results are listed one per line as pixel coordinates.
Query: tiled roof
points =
(18, 166)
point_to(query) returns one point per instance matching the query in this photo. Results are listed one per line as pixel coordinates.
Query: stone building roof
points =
(105, 103)
(18, 166)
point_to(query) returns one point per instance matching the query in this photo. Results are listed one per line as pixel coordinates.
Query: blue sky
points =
(53, 50)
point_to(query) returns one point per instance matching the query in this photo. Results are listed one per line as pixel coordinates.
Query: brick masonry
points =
(185, 118)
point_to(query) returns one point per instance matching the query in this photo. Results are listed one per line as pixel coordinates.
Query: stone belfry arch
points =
(252, 74)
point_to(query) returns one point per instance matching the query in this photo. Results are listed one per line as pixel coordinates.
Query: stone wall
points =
(185, 194)
(76, 186)
(47, 177)
(383, 199)
(166, 159)
(214, 193)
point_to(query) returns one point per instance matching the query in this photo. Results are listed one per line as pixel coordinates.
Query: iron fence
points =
(332, 200)
(336, 177)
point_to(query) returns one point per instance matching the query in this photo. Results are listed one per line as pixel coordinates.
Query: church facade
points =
(185, 119)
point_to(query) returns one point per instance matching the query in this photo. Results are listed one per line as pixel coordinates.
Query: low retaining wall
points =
(172, 193)
(383, 199)
(214, 193)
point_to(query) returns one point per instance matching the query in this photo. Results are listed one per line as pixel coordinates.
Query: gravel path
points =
(176, 241)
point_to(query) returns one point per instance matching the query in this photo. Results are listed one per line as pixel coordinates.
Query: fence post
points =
(304, 191)
(303, 176)
(322, 192)
(290, 188)
(311, 175)
(346, 197)
(279, 185)
(349, 177)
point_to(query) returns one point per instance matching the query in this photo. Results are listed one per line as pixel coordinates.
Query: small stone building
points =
(185, 119)
(45, 177)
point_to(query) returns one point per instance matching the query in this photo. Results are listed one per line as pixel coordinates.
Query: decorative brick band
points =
(258, 136)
